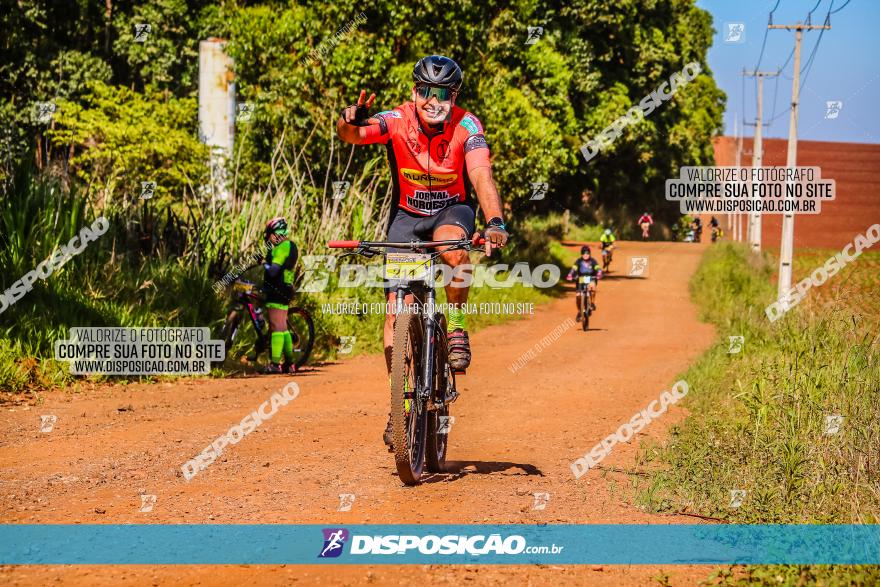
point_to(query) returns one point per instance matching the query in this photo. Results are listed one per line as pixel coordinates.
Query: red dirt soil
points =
(855, 167)
(514, 434)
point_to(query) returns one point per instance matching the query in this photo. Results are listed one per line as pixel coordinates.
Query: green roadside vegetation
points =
(90, 113)
(105, 287)
(763, 420)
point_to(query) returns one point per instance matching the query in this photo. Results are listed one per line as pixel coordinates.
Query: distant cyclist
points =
(645, 221)
(715, 230)
(278, 289)
(607, 242)
(585, 265)
(438, 156)
(697, 225)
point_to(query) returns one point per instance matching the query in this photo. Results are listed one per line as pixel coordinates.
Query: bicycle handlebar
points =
(408, 245)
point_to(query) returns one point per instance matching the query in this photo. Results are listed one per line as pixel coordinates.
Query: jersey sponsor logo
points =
(390, 113)
(443, 150)
(430, 202)
(475, 142)
(418, 177)
(471, 124)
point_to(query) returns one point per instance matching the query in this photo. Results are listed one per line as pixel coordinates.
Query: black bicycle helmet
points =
(276, 226)
(436, 70)
(585, 249)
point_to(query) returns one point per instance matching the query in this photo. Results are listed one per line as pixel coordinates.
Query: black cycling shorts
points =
(405, 227)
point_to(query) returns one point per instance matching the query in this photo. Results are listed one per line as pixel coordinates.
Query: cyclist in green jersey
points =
(607, 239)
(278, 289)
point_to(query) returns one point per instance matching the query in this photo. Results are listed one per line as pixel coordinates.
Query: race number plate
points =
(584, 279)
(243, 286)
(407, 266)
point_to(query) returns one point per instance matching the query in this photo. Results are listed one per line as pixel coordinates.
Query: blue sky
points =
(845, 68)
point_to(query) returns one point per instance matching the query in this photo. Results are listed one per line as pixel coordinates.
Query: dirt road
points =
(514, 435)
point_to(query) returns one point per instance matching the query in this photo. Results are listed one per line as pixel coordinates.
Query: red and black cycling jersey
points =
(429, 170)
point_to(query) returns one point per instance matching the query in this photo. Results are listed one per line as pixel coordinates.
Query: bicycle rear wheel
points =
(302, 331)
(409, 417)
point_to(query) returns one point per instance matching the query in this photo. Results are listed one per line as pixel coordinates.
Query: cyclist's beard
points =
(436, 113)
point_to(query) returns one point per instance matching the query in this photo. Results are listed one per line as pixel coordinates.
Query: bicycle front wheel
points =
(409, 416)
(439, 421)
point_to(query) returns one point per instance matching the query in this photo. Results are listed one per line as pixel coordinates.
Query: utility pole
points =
(733, 219)
(787, 244)
(758, 157)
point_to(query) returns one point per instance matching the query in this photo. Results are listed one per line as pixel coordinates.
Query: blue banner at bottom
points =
(614, 544)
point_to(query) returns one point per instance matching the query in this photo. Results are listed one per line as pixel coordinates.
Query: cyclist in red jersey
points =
(438, 154)
(645, 221)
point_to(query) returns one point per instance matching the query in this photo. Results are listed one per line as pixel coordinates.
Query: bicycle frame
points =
(419, 288)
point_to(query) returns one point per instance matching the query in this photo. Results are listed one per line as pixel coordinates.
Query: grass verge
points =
(763, 420)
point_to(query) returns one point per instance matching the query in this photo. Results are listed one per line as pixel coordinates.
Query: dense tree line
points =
(124, 106)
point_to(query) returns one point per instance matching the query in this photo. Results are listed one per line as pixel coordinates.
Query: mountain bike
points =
(422, 381)
(607, 255)
(586, 300)
(247, 302)
(716, 233)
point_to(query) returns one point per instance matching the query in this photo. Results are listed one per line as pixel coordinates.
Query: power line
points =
(775, 92)
(810, 13)
(841, 8)
(809, 65)
(764, 42)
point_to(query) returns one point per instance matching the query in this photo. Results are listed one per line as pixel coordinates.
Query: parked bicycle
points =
(422, 381)
(247, 303)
